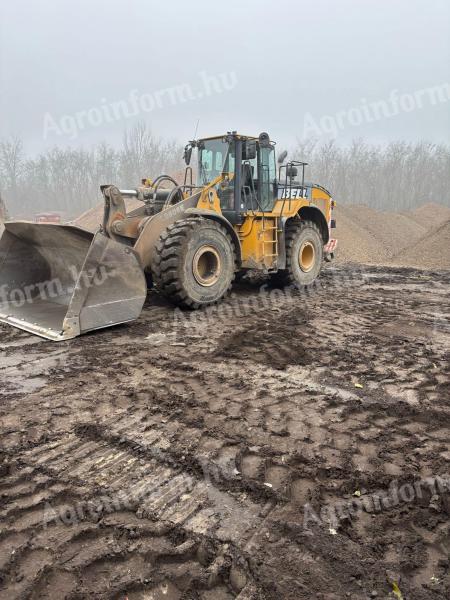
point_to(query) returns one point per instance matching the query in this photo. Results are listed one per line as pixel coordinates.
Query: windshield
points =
(215, 157)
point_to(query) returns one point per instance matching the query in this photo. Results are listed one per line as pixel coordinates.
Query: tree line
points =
(398, 176)
(68, 180)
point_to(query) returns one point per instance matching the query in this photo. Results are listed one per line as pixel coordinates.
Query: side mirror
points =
(282, 157)
(249, 150)
(187, 154)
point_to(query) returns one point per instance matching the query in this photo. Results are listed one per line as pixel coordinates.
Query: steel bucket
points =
(60, 281)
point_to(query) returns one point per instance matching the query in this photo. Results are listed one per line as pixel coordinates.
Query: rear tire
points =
(304, 255)
(194, 262)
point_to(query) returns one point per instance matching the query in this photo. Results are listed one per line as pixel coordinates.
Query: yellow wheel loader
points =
(188, 239)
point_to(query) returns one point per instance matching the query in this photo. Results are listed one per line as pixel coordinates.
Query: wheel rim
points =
(206, 266)
(306, 257)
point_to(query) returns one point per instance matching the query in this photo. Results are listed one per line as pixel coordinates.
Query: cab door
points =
(266, 177)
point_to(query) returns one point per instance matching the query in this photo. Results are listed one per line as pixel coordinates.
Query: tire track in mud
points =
(109, 465)
(143, 505)
(190, 465)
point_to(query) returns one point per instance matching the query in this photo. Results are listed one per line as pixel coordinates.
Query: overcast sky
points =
(291, 67)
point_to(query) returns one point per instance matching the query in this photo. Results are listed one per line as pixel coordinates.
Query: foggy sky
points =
(288, 59)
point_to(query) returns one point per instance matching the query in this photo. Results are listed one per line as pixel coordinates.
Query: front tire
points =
(194, 262)
(304, 254)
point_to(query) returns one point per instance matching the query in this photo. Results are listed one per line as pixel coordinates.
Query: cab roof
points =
(236, 135)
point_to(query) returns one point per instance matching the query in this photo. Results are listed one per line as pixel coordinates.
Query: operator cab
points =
(248, 169)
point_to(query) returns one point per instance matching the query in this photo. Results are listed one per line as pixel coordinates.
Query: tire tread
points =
(169, 253)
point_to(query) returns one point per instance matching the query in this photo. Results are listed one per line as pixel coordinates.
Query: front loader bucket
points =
(59, 281)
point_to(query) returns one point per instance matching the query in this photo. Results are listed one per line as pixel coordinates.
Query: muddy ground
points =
(287, 446)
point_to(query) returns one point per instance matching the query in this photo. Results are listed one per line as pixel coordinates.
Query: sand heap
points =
(432, 251)
(369, 236)
(93, 218)
(418, 238)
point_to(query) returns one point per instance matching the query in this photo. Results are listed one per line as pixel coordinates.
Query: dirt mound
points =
(355, 243)
(92, 218)
(432, 251)
(366, 235)
(431, 215)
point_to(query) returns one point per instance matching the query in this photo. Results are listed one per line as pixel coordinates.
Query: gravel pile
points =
(432, 251)
(418, 238)
(93, 218)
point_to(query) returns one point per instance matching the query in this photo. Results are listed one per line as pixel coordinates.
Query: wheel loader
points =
(236, 210)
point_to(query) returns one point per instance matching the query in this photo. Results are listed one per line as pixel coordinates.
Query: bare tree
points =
(3, 211)
(399, 176)
(12, 161)
(144, 155)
